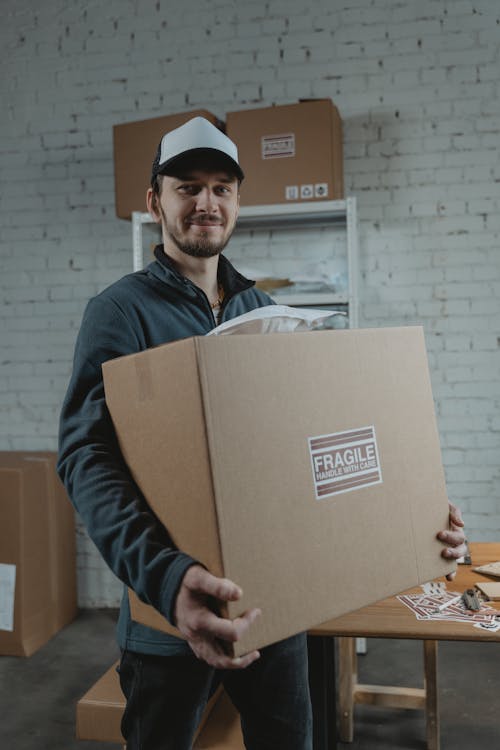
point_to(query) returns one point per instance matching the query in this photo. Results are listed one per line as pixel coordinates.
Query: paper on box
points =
(7, 596)
(275, 319)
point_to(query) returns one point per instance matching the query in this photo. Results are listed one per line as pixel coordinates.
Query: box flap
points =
(155, 402)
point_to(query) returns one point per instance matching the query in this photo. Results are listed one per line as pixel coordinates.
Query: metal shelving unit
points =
(341, 213)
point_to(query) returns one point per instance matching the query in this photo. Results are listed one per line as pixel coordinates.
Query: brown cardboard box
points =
(99, 713)
(222, 728)
(289, 153)
(306, 467)
(134, 145)
(37, 539)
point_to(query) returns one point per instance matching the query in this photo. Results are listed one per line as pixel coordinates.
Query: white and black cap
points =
(195, 143)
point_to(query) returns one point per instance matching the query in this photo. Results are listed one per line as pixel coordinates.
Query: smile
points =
(204, 220)
(206, 223)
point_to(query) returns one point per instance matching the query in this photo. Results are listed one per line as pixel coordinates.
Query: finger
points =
(241, 624)
(203, 582)
(209, 650)
(454, 538)
(454, 553)
(242, 662)
(455, 515)
(451, 576)
(222, 661)
(228, 630)
(213, 654)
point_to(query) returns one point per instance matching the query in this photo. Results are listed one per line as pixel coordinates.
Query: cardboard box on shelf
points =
(134, 146)
(99, 713)
(289, 153)
(37, 552)
(306, 466)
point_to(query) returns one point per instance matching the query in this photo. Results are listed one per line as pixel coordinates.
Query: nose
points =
(206, 201)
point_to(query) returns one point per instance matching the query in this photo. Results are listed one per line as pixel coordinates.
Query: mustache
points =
(205, 219)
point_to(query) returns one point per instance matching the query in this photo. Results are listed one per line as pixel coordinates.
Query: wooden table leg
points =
(347, 683)
(352, 693)
(321, 652)
(431, 695)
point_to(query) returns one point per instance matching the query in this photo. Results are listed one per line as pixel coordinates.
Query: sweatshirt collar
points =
(231, 280)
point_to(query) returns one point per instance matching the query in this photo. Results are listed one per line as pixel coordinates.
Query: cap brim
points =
(197, 158)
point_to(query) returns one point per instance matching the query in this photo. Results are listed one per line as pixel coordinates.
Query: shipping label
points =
(278, 146)
(345, 461)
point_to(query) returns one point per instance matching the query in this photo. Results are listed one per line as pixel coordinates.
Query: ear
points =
(152, 199)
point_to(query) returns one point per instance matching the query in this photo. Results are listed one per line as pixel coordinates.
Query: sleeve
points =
(132, 541)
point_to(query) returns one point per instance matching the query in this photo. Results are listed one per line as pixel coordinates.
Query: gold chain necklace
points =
(220, 297)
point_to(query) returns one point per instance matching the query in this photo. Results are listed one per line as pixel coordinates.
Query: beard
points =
(203, 247)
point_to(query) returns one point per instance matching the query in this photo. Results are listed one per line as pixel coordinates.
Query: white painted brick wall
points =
(417, 85)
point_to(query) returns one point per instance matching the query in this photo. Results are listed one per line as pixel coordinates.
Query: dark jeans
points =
(166, 696)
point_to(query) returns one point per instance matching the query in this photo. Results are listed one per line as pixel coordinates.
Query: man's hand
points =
(204, 630)
(453, 537)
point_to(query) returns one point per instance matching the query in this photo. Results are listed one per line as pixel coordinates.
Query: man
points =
(190, 287)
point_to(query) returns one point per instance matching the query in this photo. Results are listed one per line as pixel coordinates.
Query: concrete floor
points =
(38, 695)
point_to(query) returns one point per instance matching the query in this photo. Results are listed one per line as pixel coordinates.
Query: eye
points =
(222, 190)
(188, 188)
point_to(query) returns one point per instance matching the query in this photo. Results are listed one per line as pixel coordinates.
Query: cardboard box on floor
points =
(289, 153)
(305, 466)
(37, 542)
(134, 146)
(99, 714)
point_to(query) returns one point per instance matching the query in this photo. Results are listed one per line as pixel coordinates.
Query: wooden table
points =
(390, 618)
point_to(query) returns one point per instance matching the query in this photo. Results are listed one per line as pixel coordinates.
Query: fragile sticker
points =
(278, 146)
(345, 461)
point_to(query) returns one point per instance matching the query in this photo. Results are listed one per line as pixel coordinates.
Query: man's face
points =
(198, 212)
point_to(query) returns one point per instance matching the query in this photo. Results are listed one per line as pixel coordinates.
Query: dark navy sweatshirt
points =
(141, 310)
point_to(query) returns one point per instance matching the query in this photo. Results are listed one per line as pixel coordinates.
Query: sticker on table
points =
(447, 606)
(345, 461)
(7, 596)
(493, 626)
